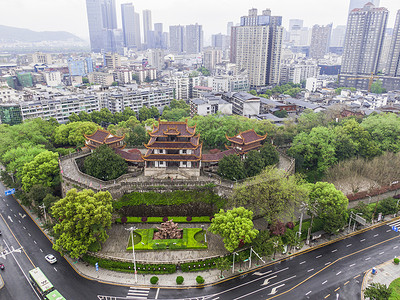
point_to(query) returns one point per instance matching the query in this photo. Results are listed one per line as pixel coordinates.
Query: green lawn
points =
(193, 238)
(395, 285)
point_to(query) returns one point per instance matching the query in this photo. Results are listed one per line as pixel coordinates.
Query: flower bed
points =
(205, 219)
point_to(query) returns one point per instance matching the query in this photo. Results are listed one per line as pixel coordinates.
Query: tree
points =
(235, 226)
(272, 194)
(223, 264)
(105, 164)
(281, 113)
(277, 244)
(154, 112)
(231, 167)
(83, 219)
(278, 228)
(114, 83)
(175, 114)
(253, 164)
(144, 113)
(43, 169)
(73, 133)
(377, 88)
(291, 239)
(136, 136)
(261, 245)
(378, 291)
(269, 154)
(37, 193)
(204, 71)
(329, 204)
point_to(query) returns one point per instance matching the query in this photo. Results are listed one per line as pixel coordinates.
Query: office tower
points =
(295, 24)
(194, 39)
(129, 24)
(147, 25)
(256, 46)
(320, 38)
(211, 58)
(229, 28)
(220, 41)
(363, 44)
(338, 36)
(158, 35)
(393, 63)
(102, 21)
(360, 3)
(176, 38)
(138, 39)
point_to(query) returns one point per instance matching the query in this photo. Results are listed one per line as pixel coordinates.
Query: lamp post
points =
(233, 265)
(132, 229)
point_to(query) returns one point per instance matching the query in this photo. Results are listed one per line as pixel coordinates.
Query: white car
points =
(51, 258)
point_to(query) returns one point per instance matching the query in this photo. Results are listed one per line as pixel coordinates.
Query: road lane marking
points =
(376, 235)
(55, 269)
(319, 256)
(368, 258)
(395, 247)
(24, 227)
(158, 290)
(327, 296)
(334, 250)
(29, 234)
(362, 240)
(338, 273)
(310, 270)
(302, 262)
(10, 209)
(35, 242)
(349, 245)
(325, 281)
(388, 230)
(15, 215)
(19, 221)
(337, 289)
(308, 293)
(40, 250)
(266, 281)
(346, 282)
(352, 265)
(327, 263)
(275, 289)
(356, 276)
(381, 253)
(261, 274)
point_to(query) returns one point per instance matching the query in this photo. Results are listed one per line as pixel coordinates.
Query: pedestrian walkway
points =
(386, 273)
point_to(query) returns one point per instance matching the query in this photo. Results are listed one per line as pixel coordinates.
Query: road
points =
(321, 273)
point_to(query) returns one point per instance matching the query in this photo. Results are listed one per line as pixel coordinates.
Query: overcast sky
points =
(70, 15)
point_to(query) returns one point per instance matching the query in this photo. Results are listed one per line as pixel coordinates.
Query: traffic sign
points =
(9, 192)
(97, 266)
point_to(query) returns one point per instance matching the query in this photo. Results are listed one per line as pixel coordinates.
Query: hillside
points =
(14, 34)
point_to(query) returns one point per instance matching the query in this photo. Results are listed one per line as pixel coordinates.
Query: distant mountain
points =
(14, 34)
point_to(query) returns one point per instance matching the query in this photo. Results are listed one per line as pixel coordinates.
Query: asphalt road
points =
(328, 272)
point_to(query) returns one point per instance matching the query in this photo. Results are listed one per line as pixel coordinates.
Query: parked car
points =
(1, 266)
(51, 258)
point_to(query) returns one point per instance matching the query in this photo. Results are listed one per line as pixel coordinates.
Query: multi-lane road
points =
(332, 271)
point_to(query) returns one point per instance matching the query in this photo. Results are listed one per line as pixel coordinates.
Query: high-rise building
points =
(80, 66)
(220, 41)
(360, 3)
(129, 26)
(338, 36)
(393, 63)
(320, 41)
(177, 38)
(112, 60)
(229, 28)
(194, 39)
(256, 46)
(295, 24)
(211, 58)
(147, 25)
(138, 39)
(102, 20)
(363, 45)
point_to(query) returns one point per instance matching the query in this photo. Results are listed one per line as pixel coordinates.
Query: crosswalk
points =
(395, 225)
(137, 293)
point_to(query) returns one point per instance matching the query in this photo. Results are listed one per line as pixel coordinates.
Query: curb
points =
(1, 282)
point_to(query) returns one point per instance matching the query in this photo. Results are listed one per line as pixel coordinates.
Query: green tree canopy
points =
(377, 88)
(269, 154)
(234, 226)
(83, 219)
(231, 167)
(144, 113)
(105, 164)
(43, 169)
(253, 164)
(73, 133)
(281, 113)
(378, 291)
(271, 194)
(329, 204)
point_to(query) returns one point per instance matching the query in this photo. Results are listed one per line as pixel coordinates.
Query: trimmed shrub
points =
(165, 219)
(144, 219)
(123, 220)
(154, 280)
(179, 279)
(396, 260)
(189, 219)
(200, 280)
(212, 217)
(290, 225)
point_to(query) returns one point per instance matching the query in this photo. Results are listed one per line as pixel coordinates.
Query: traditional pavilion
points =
(173, 151)
(101, 137)
(246, 141)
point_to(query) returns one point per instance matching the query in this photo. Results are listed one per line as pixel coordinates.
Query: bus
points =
(43, 286)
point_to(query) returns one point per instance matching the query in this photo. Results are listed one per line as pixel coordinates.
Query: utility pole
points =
(132, 229)
(44, 211)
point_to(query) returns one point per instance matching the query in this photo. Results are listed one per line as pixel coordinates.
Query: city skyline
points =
(70, 15)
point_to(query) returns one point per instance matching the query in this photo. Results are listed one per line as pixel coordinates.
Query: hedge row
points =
(205, 195)
(374, 192)
(128, 266)
(164, 219)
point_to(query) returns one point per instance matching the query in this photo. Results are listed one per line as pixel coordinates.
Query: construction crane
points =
(370, 78)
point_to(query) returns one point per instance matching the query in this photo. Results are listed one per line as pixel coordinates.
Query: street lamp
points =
(233, 265)
(132, 229)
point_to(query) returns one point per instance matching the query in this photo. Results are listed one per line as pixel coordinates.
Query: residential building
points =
(257, 47)
(102, 21)
(101, 78)
(80, 66)
(123, 76)
(10, 113)
(194, 39)
(198, 91)
(360, 3)
(130, 26)
(183, 86)
(338, 36)
(42, 58)
(363, 45)
(320, 39)
(156, 58)
(177, 39)
(229, 26)
(208, 104)
(112, 60)
(147, 25)
(220, 41)
(228, 83)
(243, 104)
(393, 62)
(297, 71)
(212, 57)
(53, 78)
